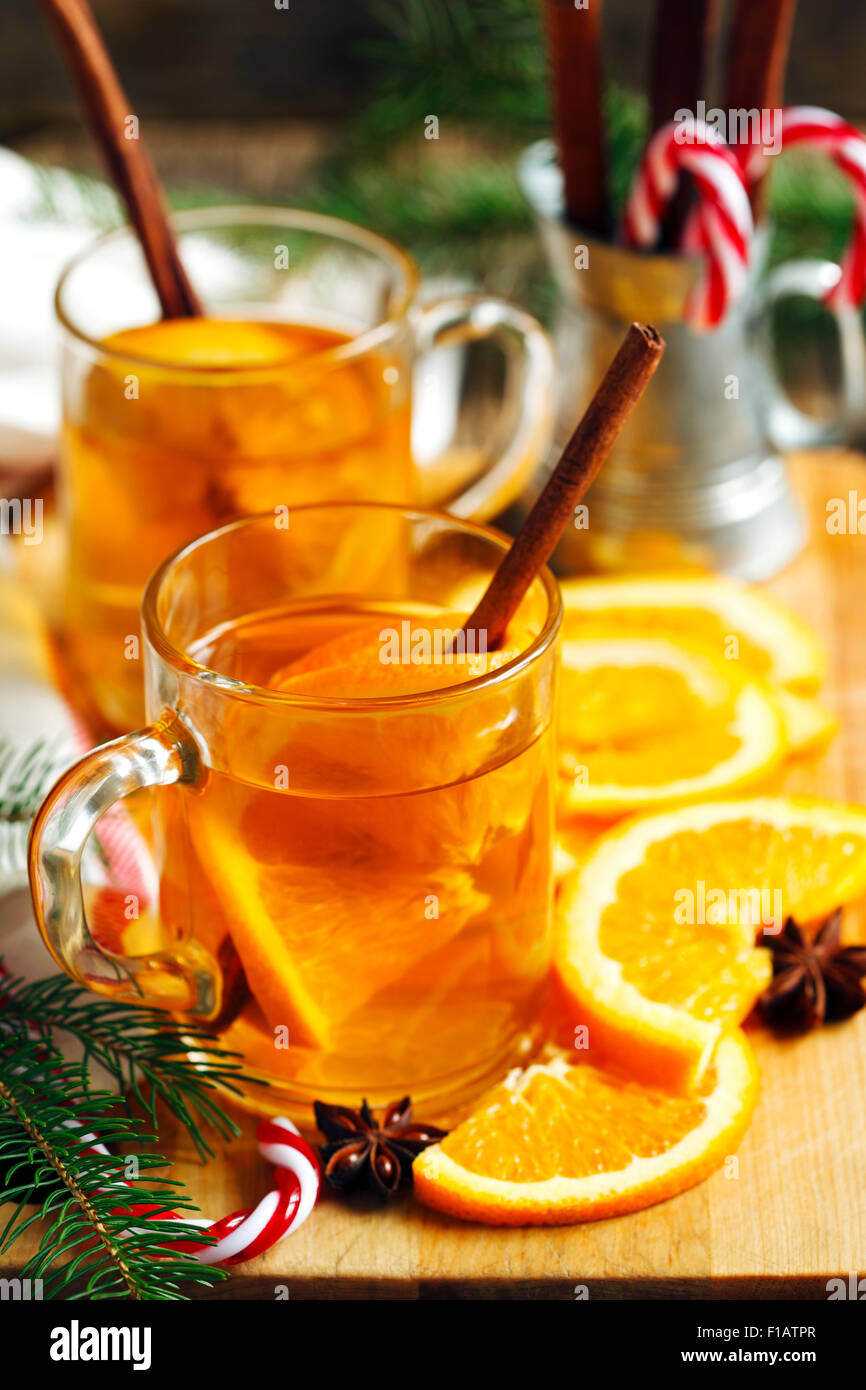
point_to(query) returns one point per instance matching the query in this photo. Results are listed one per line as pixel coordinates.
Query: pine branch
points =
(146, 1053)
(475, 62)
(66, 196)
(457, 200)
(26, 775)
(92, 1246)
(24, 778)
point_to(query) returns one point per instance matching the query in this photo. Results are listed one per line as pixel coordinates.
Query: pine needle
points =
(91, 1246)
(147, 1053)
(26, 775)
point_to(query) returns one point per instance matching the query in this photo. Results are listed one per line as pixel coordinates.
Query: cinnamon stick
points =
(624, 383)
(574, 37)
(682, 38)
(760, 38)
(129, 164)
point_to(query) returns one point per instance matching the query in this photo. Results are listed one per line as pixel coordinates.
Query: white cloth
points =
(46, 215)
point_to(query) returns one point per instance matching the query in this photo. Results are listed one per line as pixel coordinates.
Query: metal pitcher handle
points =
(787, 426)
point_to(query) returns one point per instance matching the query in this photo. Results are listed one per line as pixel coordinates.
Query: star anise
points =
(358, 1148)
(814, 981)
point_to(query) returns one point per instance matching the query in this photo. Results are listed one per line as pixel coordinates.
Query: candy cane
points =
(242, 1234)
(245, 1234)
(721, 231)
(813, 126)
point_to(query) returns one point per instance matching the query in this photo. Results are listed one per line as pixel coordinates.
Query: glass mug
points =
(296, 388)
(355, 888)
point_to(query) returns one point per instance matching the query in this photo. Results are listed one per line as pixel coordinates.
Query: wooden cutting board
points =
(792, 1212)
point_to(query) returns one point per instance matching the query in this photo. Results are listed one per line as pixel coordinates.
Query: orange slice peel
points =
(655, 942)
(566, 1141)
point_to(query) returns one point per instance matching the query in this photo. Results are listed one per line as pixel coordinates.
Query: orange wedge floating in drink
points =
(206, 342)
(326, 896)
(458, 747)
(389, 657)
(565, 1141)
(432, 1016)
(242, 389)
(317, 943)
(655, 942)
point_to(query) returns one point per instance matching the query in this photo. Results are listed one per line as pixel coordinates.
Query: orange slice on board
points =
(565, 1141)
(655, 941)
(808, 725)
(575, 838)
(738, 621)
(650, 721)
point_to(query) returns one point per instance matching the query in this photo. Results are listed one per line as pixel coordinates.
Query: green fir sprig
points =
(482, 63)
(91, 1246)
(26, 773)
(148, 1055)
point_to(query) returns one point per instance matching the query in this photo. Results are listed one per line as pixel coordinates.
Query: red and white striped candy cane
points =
(814, 127)
(722, 229)
(247, 1233)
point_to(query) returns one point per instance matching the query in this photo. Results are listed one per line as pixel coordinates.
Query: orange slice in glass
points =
(317, 942)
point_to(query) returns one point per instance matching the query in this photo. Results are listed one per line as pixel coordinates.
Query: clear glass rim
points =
(196, 219)
(181, 662)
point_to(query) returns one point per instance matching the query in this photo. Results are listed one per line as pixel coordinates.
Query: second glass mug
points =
(355, 892)
(308, 399)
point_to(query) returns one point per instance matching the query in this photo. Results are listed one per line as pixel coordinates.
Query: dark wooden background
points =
(203, 59)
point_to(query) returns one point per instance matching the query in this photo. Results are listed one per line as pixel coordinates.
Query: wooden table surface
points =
(794, 1215)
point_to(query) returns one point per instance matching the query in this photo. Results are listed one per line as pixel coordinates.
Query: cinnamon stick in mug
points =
(130, 166)
(624, 383)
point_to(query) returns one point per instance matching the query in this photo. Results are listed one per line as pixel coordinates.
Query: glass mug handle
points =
(467, 318)
(158, 756)
(788, 427)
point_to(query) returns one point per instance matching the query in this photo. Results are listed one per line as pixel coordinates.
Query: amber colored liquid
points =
(369, 944)
(155, 457)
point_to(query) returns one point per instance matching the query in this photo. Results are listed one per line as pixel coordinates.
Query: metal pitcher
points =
(694, 478)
